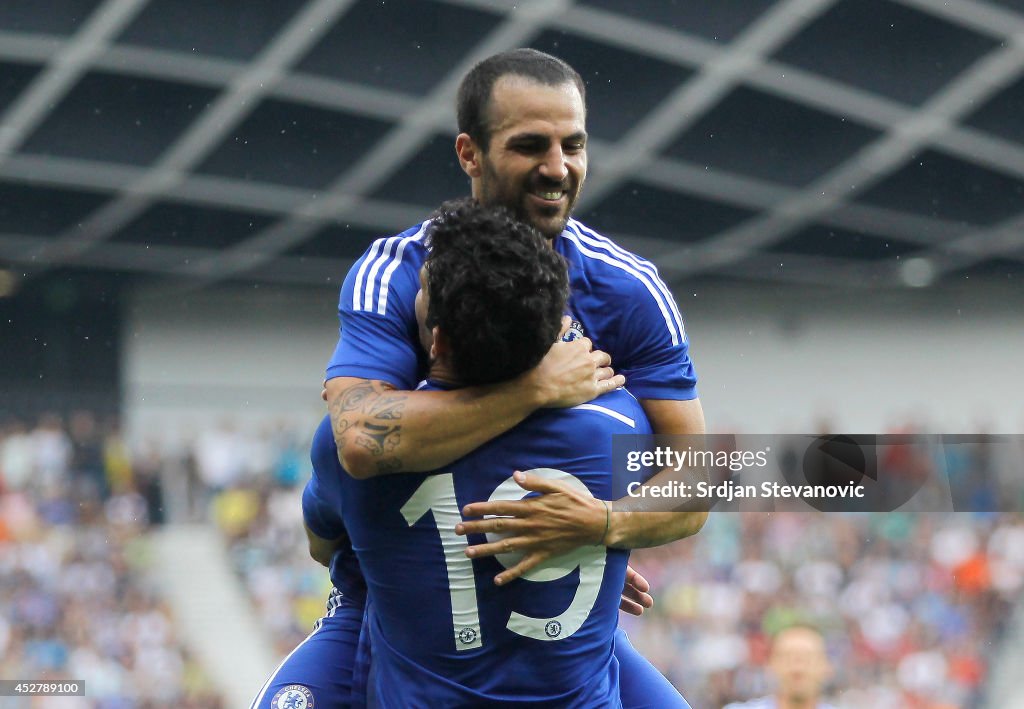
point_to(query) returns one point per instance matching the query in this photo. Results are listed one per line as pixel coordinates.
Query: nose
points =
(554, 166)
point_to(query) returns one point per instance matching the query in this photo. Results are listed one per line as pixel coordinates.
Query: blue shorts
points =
(641, 686)
(322, 666)
(332, 664)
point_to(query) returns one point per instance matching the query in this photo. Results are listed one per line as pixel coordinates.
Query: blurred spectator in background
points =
(800, 666)
(17, 456)
(220, 457)
(53, 450)
(87, 459)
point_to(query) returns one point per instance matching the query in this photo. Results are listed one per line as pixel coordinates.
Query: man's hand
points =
(635, 597)
(572, 373)
(561, 519)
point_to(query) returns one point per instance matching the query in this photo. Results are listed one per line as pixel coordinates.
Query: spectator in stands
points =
(52, 450)
(87, 464)
(17, 457)
(801, 669)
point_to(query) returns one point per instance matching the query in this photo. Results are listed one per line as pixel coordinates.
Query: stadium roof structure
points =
(835, 142)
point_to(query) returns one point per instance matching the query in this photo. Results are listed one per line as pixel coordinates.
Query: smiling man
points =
(536, 155)
(522, 143)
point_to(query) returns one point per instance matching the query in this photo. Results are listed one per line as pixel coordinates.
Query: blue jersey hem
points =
(363, 372)
(655, 392)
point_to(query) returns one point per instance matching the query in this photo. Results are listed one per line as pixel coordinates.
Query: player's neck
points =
(442, 373)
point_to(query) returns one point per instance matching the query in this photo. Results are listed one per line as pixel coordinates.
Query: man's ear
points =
(469, 155)
(440, 347)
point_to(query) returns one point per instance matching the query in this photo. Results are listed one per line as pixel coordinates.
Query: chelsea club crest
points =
(294, 696)
(574, 332)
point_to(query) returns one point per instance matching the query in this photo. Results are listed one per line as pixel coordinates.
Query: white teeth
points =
(551, 195)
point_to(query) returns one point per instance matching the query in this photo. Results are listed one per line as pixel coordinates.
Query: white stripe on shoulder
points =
(387, 255)
(357, 292)
(670, 322)
(385, 281)
(607, 412)
(371, 277)
(592, 238)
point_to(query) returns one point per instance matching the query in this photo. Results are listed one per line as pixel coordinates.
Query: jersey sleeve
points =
(657, 361)
(378, 336)
(321, 498)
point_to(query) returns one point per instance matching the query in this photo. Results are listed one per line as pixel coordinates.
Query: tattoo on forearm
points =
(387, 408)
(371, 410)
(340, 427)
(353, 397)
(379, 439)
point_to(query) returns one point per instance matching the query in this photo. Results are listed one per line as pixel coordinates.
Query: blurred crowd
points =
(913, 606)
(249, 484)
(76, 601)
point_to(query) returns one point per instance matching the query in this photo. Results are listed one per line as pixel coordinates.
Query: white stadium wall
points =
(786, 360)
(249, 355)
(770, 359)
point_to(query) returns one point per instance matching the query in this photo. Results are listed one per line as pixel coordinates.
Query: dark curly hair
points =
(474, 97)
(496, 289)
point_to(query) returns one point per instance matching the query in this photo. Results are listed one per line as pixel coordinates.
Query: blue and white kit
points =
(618, 298)
(620, 302)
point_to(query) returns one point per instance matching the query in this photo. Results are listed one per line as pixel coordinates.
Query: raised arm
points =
(381, 430)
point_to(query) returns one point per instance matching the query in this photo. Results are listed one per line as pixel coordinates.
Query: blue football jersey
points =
(321, 511)
(443, 634)
(618, 297)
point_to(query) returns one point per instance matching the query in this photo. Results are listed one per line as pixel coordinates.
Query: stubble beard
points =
(552, 226)
(515, 199)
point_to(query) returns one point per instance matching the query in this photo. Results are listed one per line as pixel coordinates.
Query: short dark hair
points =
(496, 288)
(796, 625)
(474, 96)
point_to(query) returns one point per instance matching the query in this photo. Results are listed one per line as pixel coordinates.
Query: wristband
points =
(607, 522)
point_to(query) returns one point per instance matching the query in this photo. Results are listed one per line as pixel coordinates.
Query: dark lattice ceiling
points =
(842, 142)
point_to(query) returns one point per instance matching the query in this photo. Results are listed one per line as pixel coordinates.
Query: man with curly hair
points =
(522, 143)
(492, 298)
